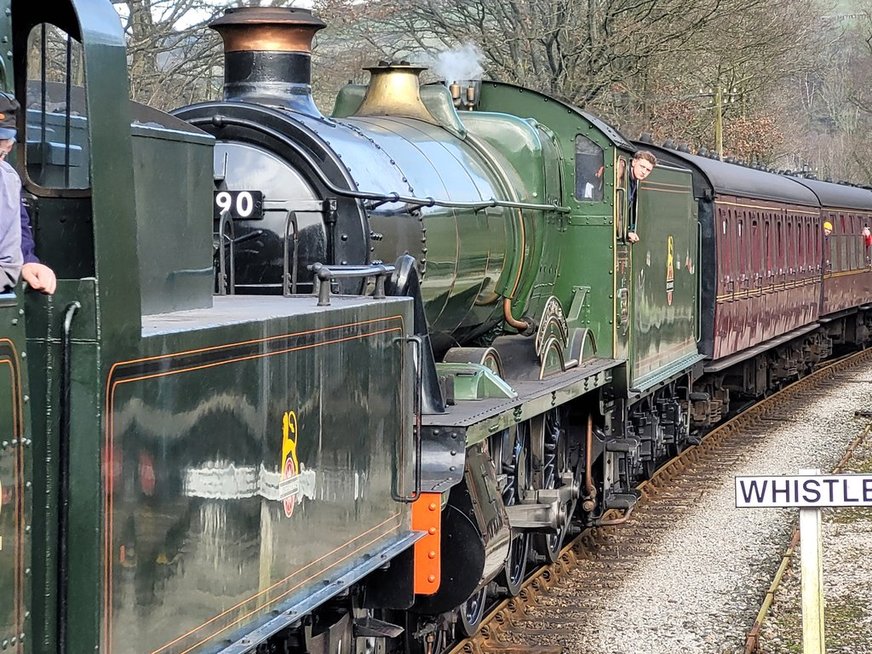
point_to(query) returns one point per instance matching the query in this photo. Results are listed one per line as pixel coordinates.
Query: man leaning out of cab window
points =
(642, 165)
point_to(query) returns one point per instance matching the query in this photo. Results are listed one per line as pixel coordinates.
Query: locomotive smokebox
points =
(268, 56)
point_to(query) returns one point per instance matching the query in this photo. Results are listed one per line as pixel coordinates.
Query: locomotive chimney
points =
(394, 90)
(268, 56)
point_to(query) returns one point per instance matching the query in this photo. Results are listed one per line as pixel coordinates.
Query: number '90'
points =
(242, 207)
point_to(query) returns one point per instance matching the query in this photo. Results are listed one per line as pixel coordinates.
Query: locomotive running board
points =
(295, 611)
(482, 418)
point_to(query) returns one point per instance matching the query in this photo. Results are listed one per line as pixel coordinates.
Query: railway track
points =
(598, 557)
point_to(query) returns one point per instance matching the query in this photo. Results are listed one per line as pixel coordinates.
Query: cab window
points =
(588, 170)
(56, 150)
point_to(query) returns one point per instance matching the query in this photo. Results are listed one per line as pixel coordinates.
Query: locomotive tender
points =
(326, 383)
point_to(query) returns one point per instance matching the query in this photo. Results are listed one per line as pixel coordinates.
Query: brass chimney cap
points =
(396, 66)
(271, 29)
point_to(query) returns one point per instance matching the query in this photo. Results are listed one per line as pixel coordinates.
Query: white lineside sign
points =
(809, 491)
(803, 491)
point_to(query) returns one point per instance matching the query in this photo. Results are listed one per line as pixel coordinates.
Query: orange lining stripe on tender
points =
(16, 484)
(17, 411)
(110, 435)
(249, 357)
(657, 189)
(266, 339)
(647, 184)
(281, 581)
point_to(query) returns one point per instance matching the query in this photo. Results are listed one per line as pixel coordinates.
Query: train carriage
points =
(845, 257)
(757, 284)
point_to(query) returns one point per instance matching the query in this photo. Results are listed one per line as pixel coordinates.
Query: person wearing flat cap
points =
(10, 198)
(37, 275)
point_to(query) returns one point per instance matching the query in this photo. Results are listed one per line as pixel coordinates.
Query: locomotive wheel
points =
(559, 467)
(511, 455)
(471, 613)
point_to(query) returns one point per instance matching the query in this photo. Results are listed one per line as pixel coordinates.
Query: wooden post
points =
(812, 578)
(719, 120)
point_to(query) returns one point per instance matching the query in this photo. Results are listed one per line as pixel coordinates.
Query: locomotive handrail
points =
(326, 274)
(369, 195)
(64, 476)
(417, 427)
(290, 268)
(225, 240)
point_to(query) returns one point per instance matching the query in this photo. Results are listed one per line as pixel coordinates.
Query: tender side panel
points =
(665, 275)
(247, 466)
(15, 516)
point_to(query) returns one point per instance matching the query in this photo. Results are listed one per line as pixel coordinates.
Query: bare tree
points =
(173, 58)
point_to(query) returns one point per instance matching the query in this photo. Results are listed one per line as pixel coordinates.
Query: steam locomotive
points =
(321, 383)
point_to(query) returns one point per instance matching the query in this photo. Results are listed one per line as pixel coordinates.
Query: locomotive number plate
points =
(242, 205)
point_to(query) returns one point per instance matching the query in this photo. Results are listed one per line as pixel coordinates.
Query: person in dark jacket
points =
(642, 165)
(24, 263)
(10, 198)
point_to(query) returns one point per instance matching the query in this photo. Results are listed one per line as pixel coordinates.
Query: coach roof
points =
(721, 178)
(838, 195)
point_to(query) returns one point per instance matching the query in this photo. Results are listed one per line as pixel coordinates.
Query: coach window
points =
(856, 242)
(757, 256)
(842, 243)
(800, 247)
(56, 145)
(781, 254)
(588, 170)
(724, 245)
